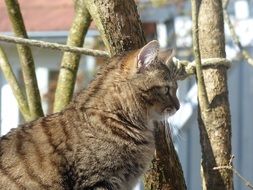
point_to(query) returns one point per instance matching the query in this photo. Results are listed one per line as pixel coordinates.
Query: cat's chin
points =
(163, 115)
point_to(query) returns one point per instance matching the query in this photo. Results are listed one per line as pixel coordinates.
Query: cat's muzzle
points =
(171, 110)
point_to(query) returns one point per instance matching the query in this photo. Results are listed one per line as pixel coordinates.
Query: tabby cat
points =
(103, 140)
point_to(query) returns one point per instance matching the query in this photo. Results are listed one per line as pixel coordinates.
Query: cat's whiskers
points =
(176, 132)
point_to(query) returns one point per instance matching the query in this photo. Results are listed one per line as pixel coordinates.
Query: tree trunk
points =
(119, 24)
(121, 30)
(165, 172)
(214, 121)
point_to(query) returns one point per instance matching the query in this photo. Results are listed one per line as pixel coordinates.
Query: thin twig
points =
(26, 60)
(230, 167)
(195, 38)
(246, 182)
(54, 46)
(234, 36)
(225, 4)
(12, 81)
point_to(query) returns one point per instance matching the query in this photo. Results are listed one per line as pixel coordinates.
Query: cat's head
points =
(152, 75)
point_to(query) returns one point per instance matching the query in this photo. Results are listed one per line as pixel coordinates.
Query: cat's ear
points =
(147, 55)
(166, 56)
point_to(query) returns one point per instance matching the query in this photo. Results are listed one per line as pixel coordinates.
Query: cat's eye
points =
(165, 90)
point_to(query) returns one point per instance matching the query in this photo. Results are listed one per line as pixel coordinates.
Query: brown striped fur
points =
(104, 139)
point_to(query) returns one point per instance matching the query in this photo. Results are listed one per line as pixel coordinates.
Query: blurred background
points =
(168, 21)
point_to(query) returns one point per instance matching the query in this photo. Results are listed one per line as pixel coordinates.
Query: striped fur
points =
(103, 140)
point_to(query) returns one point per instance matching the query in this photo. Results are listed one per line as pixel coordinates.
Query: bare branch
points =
(26, 59)
(234, 36)
(225, 4)
(200, 79)
(54, 46)
(12, 81)
(70, 61)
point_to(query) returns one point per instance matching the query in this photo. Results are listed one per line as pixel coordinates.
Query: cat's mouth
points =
(160, 113)
(171, 110)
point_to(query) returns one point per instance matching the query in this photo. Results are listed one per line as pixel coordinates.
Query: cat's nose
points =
(177, 106)
(176, 103)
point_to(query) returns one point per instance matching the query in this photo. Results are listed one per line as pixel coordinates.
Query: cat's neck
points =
(121, 103)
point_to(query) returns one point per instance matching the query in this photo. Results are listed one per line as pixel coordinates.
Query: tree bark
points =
(165, 172)
(214, 121)
(70, 61)
(120, 26)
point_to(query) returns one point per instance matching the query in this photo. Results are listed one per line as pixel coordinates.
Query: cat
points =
(103, 140)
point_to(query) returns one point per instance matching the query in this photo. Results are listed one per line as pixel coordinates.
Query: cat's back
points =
(28, 159)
